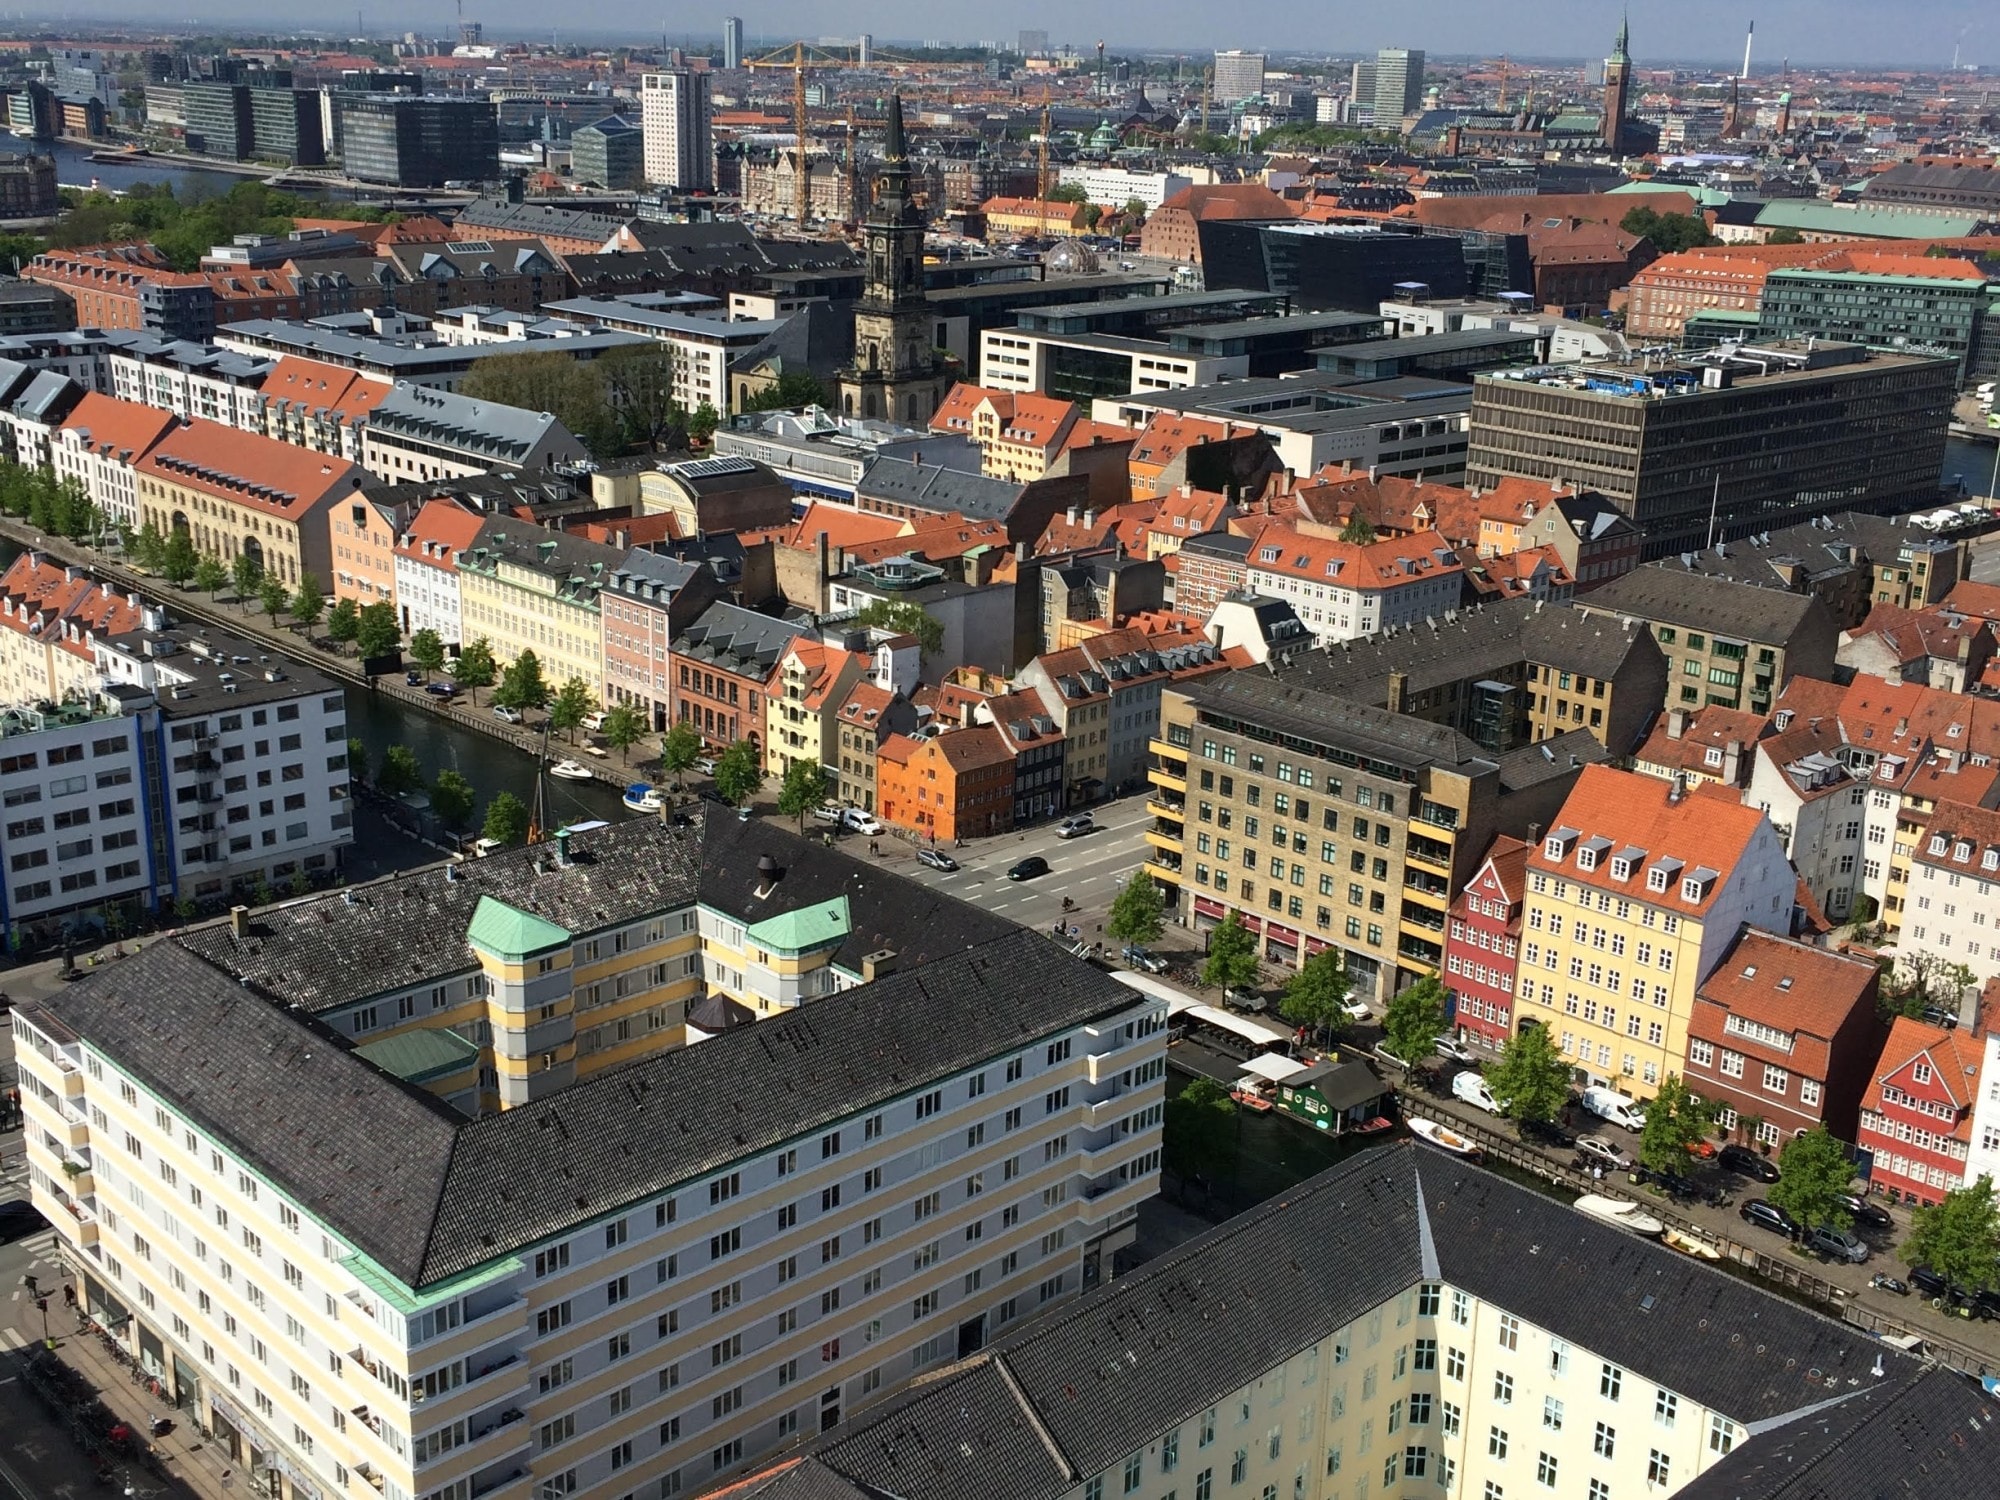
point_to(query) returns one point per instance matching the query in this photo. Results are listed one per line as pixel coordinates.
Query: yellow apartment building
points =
(525, 588)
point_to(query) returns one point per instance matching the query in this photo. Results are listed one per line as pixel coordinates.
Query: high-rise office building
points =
(680, 147)
(866, 49)
(1399, 85)
(732, 41)
(1238, 75)
(1361, 90)
(419, 142)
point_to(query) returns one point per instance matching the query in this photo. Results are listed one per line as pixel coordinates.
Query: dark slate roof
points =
(333, 950)
(736, 639)
(902, 481)
(1929, 1433)
(1721, 606)
(1550, 760)
(1071, 1394)
(1257, 697)
(359, 1150)
(1572, 641)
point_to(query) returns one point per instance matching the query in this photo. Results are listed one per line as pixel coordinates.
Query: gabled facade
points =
(1951, 912)
(958, 784)
(1482, 947)
(1916, 1116)
(427, 593)
(97, 446)
(805, 689)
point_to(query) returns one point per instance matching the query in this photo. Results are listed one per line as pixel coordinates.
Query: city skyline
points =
(1846, 33)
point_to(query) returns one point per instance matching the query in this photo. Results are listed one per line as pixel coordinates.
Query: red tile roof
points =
(445, 523)
(1954, 1057)
(107, 425)
(250, 471)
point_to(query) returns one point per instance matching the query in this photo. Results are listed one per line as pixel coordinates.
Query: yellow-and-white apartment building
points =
(525, 588)
(638, 1281)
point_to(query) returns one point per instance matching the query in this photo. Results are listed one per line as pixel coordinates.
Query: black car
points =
(19, 1219)
(1942, 1295)
(441, 689)
(413, 677)
(1769, 1216)
(1029, 868)
(1747, 1162)
(1866, 1215)
(1549, 1133)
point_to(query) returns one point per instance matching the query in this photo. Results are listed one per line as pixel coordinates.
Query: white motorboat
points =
(569, 770)
(1620, 1211)
(641, 798)
(1443, 1139)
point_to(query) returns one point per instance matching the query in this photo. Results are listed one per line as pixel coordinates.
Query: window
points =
(1510, 1331)
(1552, 1413)
(1658, 1468)
(1496, 1443)
(1503, 1388)
(1545, 1469)
(1609, 1381)
(1454, 1364)
(1721, 1434)
(1606, 1441)
(1665, 1406)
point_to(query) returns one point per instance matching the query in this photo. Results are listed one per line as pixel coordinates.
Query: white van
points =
(1619, 1109)
(1471, 1088)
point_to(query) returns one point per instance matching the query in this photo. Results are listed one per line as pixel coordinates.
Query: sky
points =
(1854, 32)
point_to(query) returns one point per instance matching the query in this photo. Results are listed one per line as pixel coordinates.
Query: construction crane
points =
(1042, 183)
(1502, 104)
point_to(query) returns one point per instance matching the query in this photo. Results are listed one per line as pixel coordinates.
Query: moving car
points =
(1077, 826)
(936, 859)
(1029, 868)
(505, 714)
(1749, 1163)
(1600, 1152)
(18, 1219)
(1769, 1216)
(1836, 1244)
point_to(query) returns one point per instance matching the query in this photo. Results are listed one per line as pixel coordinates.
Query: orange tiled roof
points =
(346, 394)
(1791, 986)
(447, 524)
(112, 426)
(843, 527)
(248, 470)
(1954, 1057)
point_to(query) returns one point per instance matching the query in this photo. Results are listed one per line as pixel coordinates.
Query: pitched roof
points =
(438, 532)
(319, 388)
(1791, 986)
(1960, 839)
(841, 526)
(249, 470)
(1954, 1057)
(123, 429)
(1672, 596)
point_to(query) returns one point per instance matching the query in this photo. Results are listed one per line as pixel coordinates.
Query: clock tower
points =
(897, 374)
(1618, 89)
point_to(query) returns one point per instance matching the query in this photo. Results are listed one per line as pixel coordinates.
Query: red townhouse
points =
(720, 664)
(1916, 1117)
(1784, 1034)
(1482, 945)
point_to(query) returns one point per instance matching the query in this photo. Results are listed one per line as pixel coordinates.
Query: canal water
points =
(74, 168)
(1972, 462)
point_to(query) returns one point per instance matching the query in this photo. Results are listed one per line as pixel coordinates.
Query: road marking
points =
(12, 1339)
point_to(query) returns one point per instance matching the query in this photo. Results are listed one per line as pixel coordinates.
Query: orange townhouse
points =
(955, 785)
(362, 536)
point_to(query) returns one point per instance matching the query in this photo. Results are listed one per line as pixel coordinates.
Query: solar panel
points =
(706, 468)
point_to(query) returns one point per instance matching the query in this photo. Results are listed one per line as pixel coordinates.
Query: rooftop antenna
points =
(1747, 40)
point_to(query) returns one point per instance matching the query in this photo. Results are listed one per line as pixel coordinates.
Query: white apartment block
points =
(639, 1283)
(192, 380)
(1341, 591)
(674, 111)
(1114, 187)
(1024, 359)
(1950, 912)
(427, 591)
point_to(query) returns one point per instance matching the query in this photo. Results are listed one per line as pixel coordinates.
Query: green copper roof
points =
(800, 931)
(508, 932)
(417, 1055)
(1894, 223)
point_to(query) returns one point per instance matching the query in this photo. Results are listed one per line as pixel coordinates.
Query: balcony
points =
(1165, 866)
(485, 1426)
(1425, 886)
(1167, 807)
(1422, 917)
(1438, 816)
(1429, 853)
(1167, 837)
(1422, 954)
(512, 1473)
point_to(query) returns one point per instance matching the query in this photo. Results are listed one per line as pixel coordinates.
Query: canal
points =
(74, 168)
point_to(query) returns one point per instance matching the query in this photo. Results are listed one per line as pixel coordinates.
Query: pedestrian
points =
(1597, 1173)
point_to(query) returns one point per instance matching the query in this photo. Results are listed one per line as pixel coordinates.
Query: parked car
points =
(505, 714)
(1619, 1109)
(861, 822)
(1882, 1281)
(1747, 1162)
(1942, 1295)
(1701, 1150)
(832, 812)
(1836, 1244)
(936, 859)
(592, 722)
(1077, 826)
(1867, 1214)
(1356, 1010)
(1029, 868)
(414, 677)
(1548, 1133)
(705, 765)
(441, 689)
(1471, 1088)
(1250, 1000)
(1768, 1216)
(1600, 1152)
(1457, 1051)
(1139, 958)
(18, 1219)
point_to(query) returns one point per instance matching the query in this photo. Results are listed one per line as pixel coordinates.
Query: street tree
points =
(210, 575)
(178, 561)
(506, 819)
(476, 668)
(343, 621)
(308, 602)
(1958, 1237)
(570, 706)
(1232, 956)
(149, 548)
(739, 772)
(1414, 1021)
(1675, 1120)
(624, 727)
(452, 799)
(1814, 1173)
(522, 685)
(1138, 914)
(377, 632)
(1531, 1080)
(273, 597)
(427, 651)
(399, 771)
(1315, 995)
(804, 788)
(680, 748)
(245, 573)
(1198, 1134)
(357, 759)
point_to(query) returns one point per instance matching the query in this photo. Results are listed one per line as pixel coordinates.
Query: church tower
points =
(1618, 88)
(896, 374)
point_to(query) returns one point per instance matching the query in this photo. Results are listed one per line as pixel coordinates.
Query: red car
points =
(1701, 1150)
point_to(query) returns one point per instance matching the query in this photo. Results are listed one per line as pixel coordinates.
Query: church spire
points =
(1621, 48)
(894, 149)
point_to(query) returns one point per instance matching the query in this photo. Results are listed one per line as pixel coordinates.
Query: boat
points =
(1699, 1246)
(1444, 1140)
(569, 770)
(1622, 1212)
(641, 797)
(1373, 1126)
(1250, 1096)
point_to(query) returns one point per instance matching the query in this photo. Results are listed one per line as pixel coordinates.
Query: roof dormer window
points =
(1961, 851)
(1938, 842)
(1712, 756)
(1559, 843)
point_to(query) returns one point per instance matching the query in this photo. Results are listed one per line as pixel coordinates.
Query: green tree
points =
(343, 621)
(1358, 532)
(377, 632)
(570, 706)
(1958, 1237)
(476, 668)
(624, 727)
(1530, 1080)
(1315, 995)
(1232, 956)
(680, 748)
(427, 651)
(1068, 192)
(1415, 1020)
(209, 576)
(273, 597)
(178, 563)
(399, 771)
(793, 389)
(506, 819)
(357, 759)
(804, 788)
(149, 548)
(308, 602)
(1138, 914)
(451, 799)
(1675, 1120)
(907, 619)
(639, 383)
(739, 772)
(1198, 1133)
(1669, 232)
(245, 573)
(701, 426)
(1786, 236)
(1814, 1172)
(573, 390)
(522, 685)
